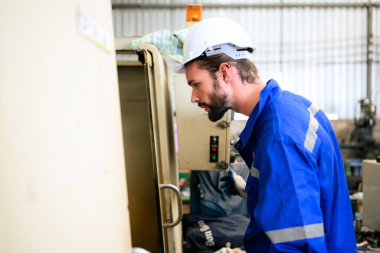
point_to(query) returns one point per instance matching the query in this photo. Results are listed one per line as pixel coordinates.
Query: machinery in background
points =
(362, 135)
(362, 145)
(364, 125)
(363, 177)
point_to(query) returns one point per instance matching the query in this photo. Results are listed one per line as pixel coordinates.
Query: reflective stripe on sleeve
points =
(311, 135)
(313, 109)
(296, 233)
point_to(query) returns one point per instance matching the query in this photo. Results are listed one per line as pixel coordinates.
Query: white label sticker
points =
(88, 28)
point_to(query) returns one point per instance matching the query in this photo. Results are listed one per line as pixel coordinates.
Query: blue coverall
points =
(297, 194)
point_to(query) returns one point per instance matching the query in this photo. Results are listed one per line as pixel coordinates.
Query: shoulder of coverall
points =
(294, 121)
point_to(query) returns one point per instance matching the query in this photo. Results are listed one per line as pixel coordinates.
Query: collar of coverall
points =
(264, 94)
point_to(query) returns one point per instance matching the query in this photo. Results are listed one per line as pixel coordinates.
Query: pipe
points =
(369, 51)
(246, 5)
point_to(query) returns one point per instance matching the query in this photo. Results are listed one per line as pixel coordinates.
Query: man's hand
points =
(233, 184)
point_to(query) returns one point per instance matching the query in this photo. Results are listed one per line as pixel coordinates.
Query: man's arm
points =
(288, 208)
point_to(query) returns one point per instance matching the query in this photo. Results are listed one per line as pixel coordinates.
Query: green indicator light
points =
(213, 158)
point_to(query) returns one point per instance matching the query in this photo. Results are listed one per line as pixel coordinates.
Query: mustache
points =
(200, 104)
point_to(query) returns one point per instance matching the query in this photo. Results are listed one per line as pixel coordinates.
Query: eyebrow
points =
(192, 82)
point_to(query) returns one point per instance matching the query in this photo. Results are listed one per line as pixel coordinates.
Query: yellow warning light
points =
(193, 12)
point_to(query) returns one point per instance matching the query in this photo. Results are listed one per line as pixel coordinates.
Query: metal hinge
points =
(221, 165)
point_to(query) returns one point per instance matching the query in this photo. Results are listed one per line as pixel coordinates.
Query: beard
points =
(218, 107)
(218, 104)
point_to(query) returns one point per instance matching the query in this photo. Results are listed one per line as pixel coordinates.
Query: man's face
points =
(206, 91)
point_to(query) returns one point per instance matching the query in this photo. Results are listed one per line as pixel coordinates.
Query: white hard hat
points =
(214, 36)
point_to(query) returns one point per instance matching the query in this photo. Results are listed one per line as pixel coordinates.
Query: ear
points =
(225, 70)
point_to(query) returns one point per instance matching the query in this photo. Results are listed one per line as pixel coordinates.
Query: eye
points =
(195, 85)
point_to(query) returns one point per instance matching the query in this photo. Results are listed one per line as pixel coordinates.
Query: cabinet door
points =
(163, 135)
(152, 175)
(141, 179)
(202, 144)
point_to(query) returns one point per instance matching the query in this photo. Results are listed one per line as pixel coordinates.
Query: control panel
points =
(214, 148)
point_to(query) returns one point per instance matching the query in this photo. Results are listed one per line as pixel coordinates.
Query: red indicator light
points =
(213, 148)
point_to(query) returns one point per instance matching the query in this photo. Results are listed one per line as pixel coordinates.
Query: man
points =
(297, 194)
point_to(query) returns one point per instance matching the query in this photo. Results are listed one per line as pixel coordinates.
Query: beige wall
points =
(62, 173)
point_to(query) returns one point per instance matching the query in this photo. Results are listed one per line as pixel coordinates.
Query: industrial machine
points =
(150, 120)
(362, 144)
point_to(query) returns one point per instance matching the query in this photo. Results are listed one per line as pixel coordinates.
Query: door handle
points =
(179, 201)
(223, 124)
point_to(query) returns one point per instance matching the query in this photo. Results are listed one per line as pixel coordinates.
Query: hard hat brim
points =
(179, 69)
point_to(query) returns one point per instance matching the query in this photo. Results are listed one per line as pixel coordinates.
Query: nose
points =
(194, 97)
